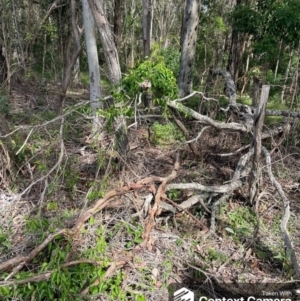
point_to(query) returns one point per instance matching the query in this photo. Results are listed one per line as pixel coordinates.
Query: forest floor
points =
(246, 247)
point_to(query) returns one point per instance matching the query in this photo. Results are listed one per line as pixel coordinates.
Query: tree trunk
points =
(287, 72)
(257, 83)
(92, 53)
(117, 22)
(76, 78)
(72, 60)
(112, 60)
(188, 47)
(109, 47)
(146, 26)
(236, 52)
(3, 67)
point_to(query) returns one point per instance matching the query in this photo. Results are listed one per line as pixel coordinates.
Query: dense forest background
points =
(147, 146)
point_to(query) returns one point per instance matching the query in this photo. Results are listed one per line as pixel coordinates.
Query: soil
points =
(246, 248)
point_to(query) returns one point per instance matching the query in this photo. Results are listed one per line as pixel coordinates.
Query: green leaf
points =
(230, 230)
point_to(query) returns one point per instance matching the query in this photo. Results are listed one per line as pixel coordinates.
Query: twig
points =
(75, 107)
(42, 198)
(61, 155)
(213, 213)
(187, 212)
(25, 142)
(195, 93)
(198, 136)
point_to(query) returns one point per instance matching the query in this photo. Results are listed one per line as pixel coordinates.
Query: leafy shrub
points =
(166, 133)
(163, 82)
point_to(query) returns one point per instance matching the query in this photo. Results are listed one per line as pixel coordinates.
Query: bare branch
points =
(286, 214)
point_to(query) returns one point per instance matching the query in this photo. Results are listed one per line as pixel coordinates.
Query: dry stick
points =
(242, 170)
(198, 136)
(25, 142)
(61, 156)
(186, 134)
(23, 127)
(259, 116)
(213, 213)
(153, 211)
(187, 212)
(99, 205)
(286, 214)
(207, 120)
(23, 259)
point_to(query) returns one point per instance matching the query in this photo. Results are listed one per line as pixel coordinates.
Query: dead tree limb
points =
(283, 113)
(209, 121)
(242, 171)
(186, 134)
(229, 84)
(286, 215)
(147, 242)
(259, 116)
(20, 260)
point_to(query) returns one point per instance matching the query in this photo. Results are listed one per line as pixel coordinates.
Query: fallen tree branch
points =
(194, 200)
(241, 172)
(282, 113)
(286, 214)
(36, 127)
(20, 260)
(213, 213)
(208, 121)
(230, 86)
(186, 134)
(150, 223)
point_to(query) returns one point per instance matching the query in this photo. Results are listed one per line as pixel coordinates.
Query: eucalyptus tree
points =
(147, 13)
(114, 69)
(117, 21)
(107, 41)
(92, 54)
(188, 46)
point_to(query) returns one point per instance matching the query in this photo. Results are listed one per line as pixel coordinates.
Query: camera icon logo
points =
(183, 294)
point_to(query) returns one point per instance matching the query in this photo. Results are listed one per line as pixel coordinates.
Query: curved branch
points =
(286, 214)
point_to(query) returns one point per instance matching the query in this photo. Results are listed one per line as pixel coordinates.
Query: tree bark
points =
(3, 67)
(146, 27)
(94, 70)
(236, 52)
(229, 84)
(71, 61)
(188, 47)
(117, 22)
(256, 89)
(259, 116)
(106, 36)
(112, 60)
